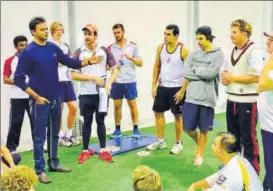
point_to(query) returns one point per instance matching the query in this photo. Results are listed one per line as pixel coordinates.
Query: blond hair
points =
(146, 179)
(54, 26)
(20, 178)
(228, 142)
(243, 25)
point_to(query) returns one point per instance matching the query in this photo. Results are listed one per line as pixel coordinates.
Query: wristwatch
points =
(89, 63)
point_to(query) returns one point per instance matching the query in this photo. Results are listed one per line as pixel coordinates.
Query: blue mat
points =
(126, 143)
(215, 123)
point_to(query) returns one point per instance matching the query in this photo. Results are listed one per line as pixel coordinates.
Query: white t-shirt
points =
(127, 73)
(230, 177)
(63, 71)
(10, 67)
(90, 87)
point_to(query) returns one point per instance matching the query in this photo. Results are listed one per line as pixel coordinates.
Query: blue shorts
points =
(197, 116)
(121, 90)
(67, 91)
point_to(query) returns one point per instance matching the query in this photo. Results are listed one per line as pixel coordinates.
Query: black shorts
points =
(88, 104)
(164, 100)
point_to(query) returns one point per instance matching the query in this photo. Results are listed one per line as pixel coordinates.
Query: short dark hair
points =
(18, 39)
(35, 21)
(228, 142)
(173, 27)
(118, 25)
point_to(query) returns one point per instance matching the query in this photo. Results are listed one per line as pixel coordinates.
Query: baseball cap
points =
(90, 27)
(268, 34)
(205, 30)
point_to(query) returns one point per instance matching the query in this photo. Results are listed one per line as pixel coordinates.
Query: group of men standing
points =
(185, 82)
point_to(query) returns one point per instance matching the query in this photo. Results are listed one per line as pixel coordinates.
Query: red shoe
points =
(91, 152)
(106, 156)
(84, 156)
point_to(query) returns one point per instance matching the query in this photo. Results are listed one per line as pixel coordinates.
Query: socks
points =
(61, 133)
(69, 133)
(179, 143)
(103, 150)
(161, 140)
(118, 127)
(135, 127)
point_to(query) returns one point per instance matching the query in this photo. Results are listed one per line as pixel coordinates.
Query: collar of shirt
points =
(84, 48)
(127, 43)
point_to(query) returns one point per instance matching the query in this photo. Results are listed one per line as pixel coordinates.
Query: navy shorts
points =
(197, 116)
(67, 91)
(121, 90)
(164, 100)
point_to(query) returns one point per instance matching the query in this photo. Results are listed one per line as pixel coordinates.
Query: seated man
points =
(19, 178)
(237, 173)
(145, 178)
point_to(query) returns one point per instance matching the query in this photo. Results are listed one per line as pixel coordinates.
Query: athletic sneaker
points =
(157, 145)
(63, 141)
(84, 156)
(177, 148)
(116, 134)
(74, 140)
(136, 133)
(106, 156)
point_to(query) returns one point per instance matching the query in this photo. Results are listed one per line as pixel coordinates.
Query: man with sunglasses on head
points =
(240, 76)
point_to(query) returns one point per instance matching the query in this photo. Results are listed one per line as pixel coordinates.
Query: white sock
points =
(161, 140)
(61, 133)
(84, 150)
(103, 150)
(178, 142)
(69, 133)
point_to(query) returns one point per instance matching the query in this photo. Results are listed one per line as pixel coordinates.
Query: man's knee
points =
(72, 108)
(190, 132)
(117, 104)
(159, 114)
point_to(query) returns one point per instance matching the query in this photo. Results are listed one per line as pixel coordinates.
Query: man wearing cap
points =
(126, 53)
(265, 109)
(93, 96)
(39, 61)
(201, 73)
(240, 76)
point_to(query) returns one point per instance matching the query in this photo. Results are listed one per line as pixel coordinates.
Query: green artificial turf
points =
(177, 172)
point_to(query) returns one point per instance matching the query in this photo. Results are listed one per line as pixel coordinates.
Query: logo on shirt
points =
(54, 54)
(168, 60)
(241, 90)
(221, 179)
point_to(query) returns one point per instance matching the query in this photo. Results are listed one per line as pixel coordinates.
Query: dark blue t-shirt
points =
(40, 64)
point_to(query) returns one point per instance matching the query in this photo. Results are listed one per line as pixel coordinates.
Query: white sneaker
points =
(177, 148)
(157, 145)
(63, 141)
(74, 140)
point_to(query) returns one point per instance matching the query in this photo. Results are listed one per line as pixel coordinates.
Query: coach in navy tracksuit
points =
(39, 61)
